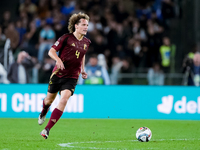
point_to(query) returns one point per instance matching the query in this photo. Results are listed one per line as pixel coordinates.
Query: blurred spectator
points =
(116, 39)
(143, 10)
(129, 5)
(59, 30)
(18, 71)
(126, 68)
(138, 53)
(192, 70)
(155, 75)
(99, 44)
(102, 61)
(28, 7)
(46, 39)
(192, 52)
(3, 75)
(112, 37)
(86, 5)
(187, 66)
(153, 41)
(31, 41)
(2, 37)
(43, 10)
(156, 18)
(120, 12)
(24, 18)
(167, 52)
(121, 40)
(96, 74)
(13, 35)
(95, 24)
(158, 29)
(138, 31)
(56, 17)
(46, 69)
(2, 43)
(55, 4)
(5, 20)
(59, 23)
(168, 11)
(115, 69)
(68, 7)
(20, 29)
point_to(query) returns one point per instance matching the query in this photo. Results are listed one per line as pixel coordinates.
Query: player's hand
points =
(84, 75)
(60, 64)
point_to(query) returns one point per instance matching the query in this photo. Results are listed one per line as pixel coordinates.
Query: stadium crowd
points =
(132, 35)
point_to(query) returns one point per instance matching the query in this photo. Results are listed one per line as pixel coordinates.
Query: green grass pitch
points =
(108, 134)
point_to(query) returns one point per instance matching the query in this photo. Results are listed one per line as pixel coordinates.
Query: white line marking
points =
(71, 145)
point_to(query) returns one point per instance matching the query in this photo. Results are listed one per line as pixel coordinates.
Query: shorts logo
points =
(56, 44)
(73, 90)
(50, 82)
(73, 44)
(85, 46)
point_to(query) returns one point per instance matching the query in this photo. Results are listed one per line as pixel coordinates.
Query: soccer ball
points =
(143, 134)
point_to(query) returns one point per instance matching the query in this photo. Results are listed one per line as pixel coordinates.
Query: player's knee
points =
(63, 101)
(48, 101)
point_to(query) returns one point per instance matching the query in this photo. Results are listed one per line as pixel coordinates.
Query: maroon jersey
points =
(71, 52)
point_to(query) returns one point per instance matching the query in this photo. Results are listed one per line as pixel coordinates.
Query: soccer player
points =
(69, 64)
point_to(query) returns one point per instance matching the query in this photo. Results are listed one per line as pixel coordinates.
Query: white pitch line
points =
(71, 145)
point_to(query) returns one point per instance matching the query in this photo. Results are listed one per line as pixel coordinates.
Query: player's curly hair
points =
(75, 19)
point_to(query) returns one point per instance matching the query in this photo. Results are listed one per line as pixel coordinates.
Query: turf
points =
(109, 134)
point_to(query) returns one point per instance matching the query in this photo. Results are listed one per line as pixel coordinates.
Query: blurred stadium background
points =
(128, 33)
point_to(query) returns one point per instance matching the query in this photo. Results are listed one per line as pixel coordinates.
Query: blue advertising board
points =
(114, 101)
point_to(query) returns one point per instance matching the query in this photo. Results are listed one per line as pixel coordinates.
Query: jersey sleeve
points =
(59, 43)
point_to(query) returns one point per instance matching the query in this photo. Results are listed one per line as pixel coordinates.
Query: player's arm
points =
(54, 56)
(84, 74)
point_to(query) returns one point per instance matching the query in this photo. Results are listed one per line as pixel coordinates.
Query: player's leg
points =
(53, 88)
(65, 95)
(57, 112)
(46, 104)
(67, 89)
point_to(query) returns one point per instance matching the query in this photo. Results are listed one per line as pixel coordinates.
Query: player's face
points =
(82, 27)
